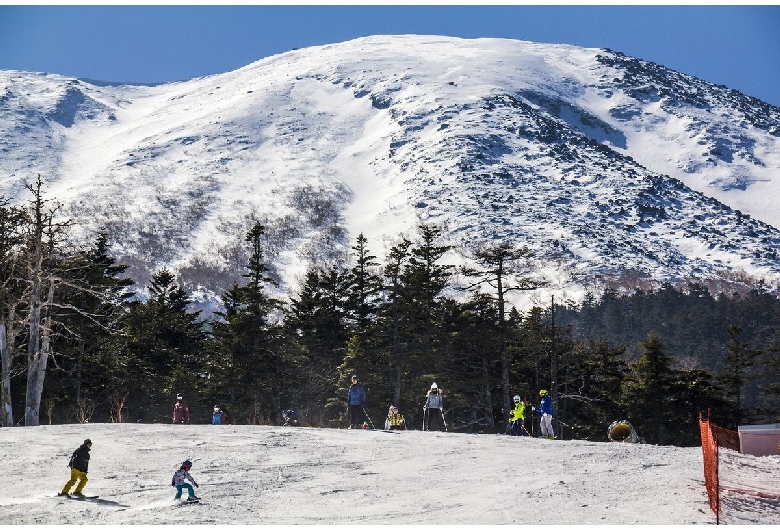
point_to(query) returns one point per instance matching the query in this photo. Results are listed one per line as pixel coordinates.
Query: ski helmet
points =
(542, 392)
(87, 442)
(354, 377)
(186, 463)
(517, 399)
(179, 396)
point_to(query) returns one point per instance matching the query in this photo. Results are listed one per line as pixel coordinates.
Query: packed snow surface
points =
(286, 475)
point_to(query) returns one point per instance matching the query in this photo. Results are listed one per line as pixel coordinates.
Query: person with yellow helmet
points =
(545, 409)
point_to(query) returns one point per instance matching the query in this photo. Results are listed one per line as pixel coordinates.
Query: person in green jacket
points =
(517, 417)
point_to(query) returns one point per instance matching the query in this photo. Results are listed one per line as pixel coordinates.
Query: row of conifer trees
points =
(109, 355)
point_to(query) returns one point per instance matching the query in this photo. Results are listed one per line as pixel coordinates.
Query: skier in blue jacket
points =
(356, 397)
(545, 409)
(218, 417)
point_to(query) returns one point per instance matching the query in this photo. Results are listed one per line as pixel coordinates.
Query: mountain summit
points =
(602, 164)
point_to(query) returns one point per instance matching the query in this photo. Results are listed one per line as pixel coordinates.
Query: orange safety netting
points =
(709, 448)
(742, 488)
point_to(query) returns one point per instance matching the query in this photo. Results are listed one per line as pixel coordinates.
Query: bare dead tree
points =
(43, 238)
(11, 221)
(117, 411)
(505, 269)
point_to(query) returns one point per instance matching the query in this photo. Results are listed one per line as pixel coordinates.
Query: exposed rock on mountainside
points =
(598, 162)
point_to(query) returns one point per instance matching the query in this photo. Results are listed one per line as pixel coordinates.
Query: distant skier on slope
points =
(178, 481)
(517, 417)
(545, 409)
(433, 410)
(181, 412)
(395, 420)
(356, 398)
(218, 416)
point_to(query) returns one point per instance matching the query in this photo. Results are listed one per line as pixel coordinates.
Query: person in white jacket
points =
(433, 410)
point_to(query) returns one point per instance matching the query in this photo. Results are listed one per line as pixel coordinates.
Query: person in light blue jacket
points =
(356, 397)
(433, 410)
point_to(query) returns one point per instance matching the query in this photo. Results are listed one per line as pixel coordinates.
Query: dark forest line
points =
(79, 345)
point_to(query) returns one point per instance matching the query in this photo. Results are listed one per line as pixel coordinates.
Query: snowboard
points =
(80, 498)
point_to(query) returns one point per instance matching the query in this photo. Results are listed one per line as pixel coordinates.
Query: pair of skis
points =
(426, 422)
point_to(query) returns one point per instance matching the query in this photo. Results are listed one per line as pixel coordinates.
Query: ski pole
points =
(526, 430)
(369, 418)
(563, 424)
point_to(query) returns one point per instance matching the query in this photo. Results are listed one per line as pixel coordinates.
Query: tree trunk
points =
(553, 363)
(37, 356)
(397, 385)
(7, 413)
(488, 396)
(505, 378)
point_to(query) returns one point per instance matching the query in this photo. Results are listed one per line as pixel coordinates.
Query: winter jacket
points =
(80, 459)
(356, 394)
(218, 418)
(517, 413)
(180, 476)
(545, 407)
(434, 400)
(394, 421)
(181, 412)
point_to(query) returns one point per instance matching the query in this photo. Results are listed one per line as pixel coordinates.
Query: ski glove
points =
(173, 483)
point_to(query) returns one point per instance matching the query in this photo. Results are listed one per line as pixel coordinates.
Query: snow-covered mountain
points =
(600, 163)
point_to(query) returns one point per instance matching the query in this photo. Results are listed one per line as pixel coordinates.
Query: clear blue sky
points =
(731, 45)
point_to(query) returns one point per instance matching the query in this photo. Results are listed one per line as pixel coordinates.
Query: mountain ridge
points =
(600, 163)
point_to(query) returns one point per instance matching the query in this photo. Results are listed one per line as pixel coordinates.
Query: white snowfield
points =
(284, 476)
(380, 133)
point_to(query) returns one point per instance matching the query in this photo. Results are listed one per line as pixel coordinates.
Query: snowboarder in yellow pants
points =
(75, 475)
(79, 465)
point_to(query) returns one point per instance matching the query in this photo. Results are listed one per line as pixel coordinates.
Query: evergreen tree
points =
(647, 391)
(365, 287)
(252, 336)
(737, 374)
(693, 391)
(594, 377)
(423, 279)
(472, 364)
(391, 317)
(318, 320)
(163, 342)
(355, 362)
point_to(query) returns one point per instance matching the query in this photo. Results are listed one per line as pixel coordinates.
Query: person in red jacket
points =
(181, 412)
